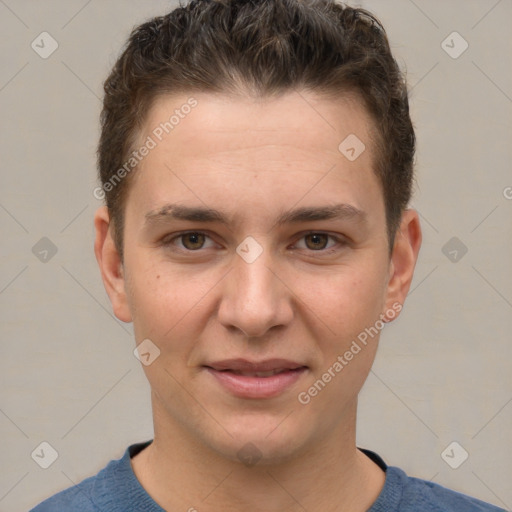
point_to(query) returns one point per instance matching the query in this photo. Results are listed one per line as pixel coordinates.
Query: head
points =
(243, 110)
(261, 49)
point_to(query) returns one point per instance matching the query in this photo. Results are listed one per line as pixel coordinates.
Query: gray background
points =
(68, 374)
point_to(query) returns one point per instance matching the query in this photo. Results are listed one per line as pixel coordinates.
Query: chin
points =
(261, 441)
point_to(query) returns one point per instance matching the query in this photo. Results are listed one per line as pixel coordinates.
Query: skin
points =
(303, 298)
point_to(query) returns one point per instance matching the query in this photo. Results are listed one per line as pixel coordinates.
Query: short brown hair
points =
(261, 47)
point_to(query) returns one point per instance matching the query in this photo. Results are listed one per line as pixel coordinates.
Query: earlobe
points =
(110, 264)
(403, 261)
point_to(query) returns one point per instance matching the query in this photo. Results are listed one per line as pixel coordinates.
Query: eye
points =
(317, 241)
(190, 241)
(193, 241)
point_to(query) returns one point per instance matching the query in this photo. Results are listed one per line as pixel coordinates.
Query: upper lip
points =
(244, 365)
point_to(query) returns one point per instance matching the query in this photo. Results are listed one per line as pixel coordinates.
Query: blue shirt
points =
(116, 489)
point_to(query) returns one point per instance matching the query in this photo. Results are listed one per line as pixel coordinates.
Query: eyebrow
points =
(340, 211)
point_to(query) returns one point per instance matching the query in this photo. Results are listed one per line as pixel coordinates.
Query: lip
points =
(236, 376)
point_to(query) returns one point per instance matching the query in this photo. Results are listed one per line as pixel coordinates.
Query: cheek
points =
(166, 304)
(346, 301)
(349, 311)
(154, 301)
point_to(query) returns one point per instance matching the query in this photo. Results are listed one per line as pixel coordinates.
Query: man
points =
(256, 158)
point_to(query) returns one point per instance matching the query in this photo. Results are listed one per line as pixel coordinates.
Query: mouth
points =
(260, 374)
(256, 380)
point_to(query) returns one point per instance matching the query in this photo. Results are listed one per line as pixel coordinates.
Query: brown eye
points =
(193, 241)
(318, 241)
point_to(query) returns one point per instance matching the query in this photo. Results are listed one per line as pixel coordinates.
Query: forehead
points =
(298, 119)
(264, 149)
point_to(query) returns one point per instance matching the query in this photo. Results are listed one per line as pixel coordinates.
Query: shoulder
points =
(402, 493)
(79, 498)
(421, 495)
(113, 489)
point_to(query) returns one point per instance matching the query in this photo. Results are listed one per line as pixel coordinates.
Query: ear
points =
(406, 248)
(110, 265)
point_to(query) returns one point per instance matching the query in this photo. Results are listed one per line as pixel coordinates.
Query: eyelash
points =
(168, 242)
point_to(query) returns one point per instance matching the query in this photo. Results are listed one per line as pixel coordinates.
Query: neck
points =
(181, 473)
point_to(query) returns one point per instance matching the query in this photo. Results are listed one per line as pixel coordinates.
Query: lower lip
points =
(244, 386)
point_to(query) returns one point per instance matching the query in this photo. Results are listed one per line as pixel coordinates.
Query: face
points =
(255, 256)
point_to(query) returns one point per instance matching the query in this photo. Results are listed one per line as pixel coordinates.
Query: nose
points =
(255, 298)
